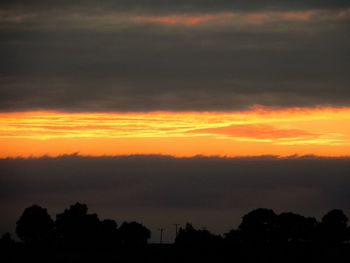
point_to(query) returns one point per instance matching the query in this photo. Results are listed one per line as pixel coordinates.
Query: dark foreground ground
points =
(172, 253)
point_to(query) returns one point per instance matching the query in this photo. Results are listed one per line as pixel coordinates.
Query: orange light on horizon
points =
(320, 131)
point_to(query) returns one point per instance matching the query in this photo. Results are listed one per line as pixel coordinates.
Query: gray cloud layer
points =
(160, 191)
(182, 5)
(90, 56)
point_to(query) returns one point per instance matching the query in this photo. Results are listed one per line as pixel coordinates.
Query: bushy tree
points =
(133, 233)
(75, 227)
(189, 236)
(35, 225)
(233, 237)
(294, 228)
(333, 227)
(108, 233)
(258, 226)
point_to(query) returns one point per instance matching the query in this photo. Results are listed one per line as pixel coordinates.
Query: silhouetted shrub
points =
(259, 226)
(34, 226)
(294, 228)
(108, 234)
(6, 240)
(233, 237)
(134, 233)
(75, 227)
(333, 228)
(189, 236)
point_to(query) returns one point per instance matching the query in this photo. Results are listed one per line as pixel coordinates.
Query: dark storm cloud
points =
(121, 55)
(160, 190)
(181, 5)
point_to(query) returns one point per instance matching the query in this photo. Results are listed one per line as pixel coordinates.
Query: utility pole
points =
(176, 229)
(161, 235)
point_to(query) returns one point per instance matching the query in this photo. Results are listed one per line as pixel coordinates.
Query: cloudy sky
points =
(105, 89)
(146, 55)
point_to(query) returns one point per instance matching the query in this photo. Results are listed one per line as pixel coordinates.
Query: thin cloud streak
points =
(107, 18)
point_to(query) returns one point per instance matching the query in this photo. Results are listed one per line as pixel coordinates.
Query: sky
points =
(88, 80)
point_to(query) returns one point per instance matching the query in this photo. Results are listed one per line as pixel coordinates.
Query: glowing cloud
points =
(258, 131)
(249, 18)
(188, 20)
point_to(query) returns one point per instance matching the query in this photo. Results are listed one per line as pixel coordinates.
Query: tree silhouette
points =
(294, 228)
(259, 226)
(108, 233)
(189, 236)
(333, 228)
(6, 240)
(75, 227)
(133, 233)
(233, 237)
(35, 225)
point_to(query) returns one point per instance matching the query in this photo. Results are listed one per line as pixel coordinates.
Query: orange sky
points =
(259, 131)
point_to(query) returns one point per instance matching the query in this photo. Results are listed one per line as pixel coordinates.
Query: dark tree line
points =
(75, 227)
(263, 226)
(75, 234)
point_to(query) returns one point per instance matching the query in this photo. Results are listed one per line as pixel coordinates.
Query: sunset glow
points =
(259, 131)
